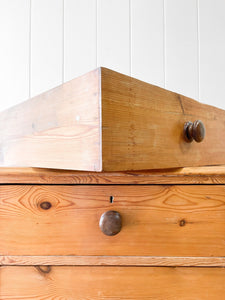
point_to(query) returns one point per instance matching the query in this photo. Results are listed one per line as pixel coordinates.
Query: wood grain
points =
(142, 127)
(156, 220)
(106, 121)
(93, 260)
(192, 175)
(111, 283)
(57, 129)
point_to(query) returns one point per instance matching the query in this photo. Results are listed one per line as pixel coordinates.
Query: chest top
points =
(192, 175)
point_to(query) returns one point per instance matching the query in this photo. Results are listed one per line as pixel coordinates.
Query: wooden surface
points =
(93, 260)
(108, 121)
(193, 175)
(184, 220)
(57, 129)
(111, 283)
(142, 127)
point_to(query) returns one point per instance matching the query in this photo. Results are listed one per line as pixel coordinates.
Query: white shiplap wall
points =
(176, 44)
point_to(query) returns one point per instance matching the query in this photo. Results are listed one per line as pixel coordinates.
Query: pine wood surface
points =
(93, 260)
(107, 121)
(192, 175)
(111, 283)
(57, 129)
(159, 220)
(142, 127)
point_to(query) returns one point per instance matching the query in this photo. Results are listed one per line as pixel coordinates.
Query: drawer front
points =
(156, 220)
(111, 283)
(107, 121)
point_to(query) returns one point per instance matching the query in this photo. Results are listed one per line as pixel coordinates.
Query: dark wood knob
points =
(110, 222)
(194, 131)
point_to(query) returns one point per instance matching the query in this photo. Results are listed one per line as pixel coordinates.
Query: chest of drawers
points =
(105, 232)
(116, 235)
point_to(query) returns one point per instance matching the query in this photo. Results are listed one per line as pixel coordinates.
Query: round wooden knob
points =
(194, 131)
(110, 222)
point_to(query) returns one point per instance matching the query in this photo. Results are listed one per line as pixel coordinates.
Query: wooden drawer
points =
(106, 121)
(182, 220)
(111, 283)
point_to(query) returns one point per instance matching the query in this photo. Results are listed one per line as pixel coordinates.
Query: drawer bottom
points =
(105, 282)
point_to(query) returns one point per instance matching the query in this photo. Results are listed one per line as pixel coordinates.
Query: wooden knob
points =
(194, 131)
(110, 222)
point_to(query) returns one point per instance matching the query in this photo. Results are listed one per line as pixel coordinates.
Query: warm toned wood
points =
(107, 121)
(111, 283)
(57, 129)
(157, 220)
(143, 127)
(193, 175)
(111, 261)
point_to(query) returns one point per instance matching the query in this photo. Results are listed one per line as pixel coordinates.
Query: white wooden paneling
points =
(178, 42)
(212, 51)
(181, 47)
(46, 44)
(147, 52)
(79, 37)
(14, 52)
(113, 34)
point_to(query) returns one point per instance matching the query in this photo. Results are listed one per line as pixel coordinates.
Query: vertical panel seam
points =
(198, 50)
(63, 40)
(96, 33)
(29, 51)
(164, 44)
(130, 38)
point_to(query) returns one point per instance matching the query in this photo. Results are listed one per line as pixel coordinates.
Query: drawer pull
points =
(194, 131)
(110, 222)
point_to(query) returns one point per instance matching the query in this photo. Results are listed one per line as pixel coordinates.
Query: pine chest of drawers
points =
(102, 231)
(116, 235)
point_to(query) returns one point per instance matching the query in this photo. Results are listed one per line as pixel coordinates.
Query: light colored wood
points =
(152, 219)
(108, 121)
(195, 175)
(111, 283)
(93, 260)
(142, 127)
(58, 128)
